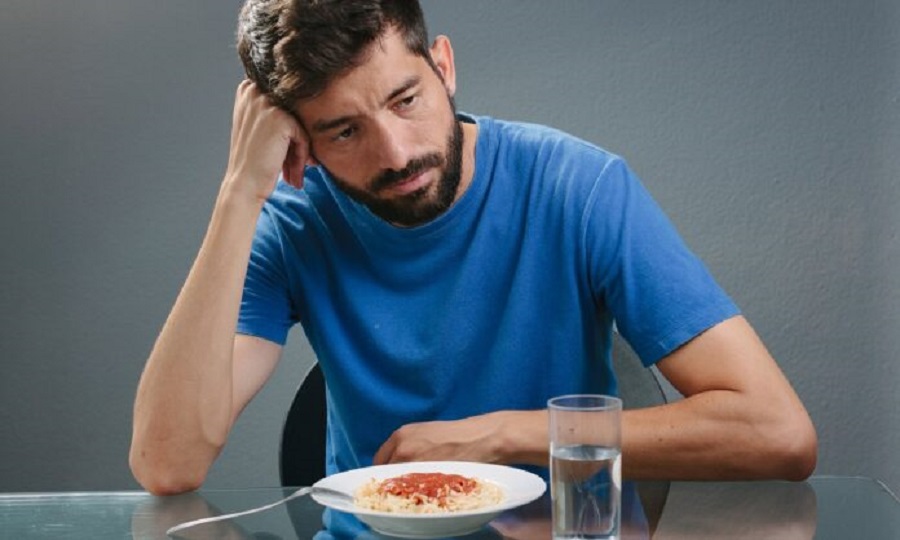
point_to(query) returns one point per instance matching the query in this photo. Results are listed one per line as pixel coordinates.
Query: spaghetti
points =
(427, 493)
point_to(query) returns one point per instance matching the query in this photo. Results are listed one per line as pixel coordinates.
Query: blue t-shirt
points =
(502, 302)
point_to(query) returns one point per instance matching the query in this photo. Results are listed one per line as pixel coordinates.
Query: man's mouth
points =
(410, 184)
(408, 180)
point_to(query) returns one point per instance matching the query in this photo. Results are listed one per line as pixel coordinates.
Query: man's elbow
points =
(796, 451)
(163, 479)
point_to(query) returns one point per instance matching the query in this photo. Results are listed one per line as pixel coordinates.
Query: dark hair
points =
(293, 49)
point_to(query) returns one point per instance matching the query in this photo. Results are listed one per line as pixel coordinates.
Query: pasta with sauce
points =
(427, 493)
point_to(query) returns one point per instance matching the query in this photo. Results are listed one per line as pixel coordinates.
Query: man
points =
(451, 273)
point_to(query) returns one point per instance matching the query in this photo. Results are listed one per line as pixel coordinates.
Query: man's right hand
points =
(265, 140)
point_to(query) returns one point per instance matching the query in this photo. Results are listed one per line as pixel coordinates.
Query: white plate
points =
(519, 487)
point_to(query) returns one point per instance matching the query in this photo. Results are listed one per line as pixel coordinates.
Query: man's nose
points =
(393, 149)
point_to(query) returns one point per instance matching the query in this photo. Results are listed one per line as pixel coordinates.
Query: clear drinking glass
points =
(586, 466)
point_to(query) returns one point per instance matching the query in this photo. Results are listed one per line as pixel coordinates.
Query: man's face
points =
(387, 133)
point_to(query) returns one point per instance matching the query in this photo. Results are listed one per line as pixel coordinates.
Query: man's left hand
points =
(498, 437)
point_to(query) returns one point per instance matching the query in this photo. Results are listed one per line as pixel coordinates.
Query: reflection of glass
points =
(739, 510)
(532, 521)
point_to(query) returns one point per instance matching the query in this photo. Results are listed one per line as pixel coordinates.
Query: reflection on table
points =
(782, 510)
(824, 507)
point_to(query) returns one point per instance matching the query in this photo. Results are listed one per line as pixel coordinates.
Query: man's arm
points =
(740, 419)
(199, 375)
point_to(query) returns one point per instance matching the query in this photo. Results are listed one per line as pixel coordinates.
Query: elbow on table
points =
(163, 479)
(795, 452)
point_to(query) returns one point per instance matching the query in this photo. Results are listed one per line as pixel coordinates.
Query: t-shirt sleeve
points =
(660, 294)
(265, 304)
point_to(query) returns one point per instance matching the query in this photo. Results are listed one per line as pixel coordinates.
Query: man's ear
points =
(442, 56)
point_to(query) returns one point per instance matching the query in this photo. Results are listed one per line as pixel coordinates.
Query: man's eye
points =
(344, 134)
(406, 102)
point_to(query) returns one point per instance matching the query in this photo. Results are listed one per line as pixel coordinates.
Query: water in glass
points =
(586, 486)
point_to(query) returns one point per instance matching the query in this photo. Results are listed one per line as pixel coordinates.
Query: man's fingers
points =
(384, 454)
(266, 139)
(292, 170)
(298, 156)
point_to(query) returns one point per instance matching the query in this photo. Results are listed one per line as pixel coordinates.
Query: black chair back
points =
(301, 460)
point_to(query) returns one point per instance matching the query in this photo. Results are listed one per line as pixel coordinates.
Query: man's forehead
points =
(387, 67)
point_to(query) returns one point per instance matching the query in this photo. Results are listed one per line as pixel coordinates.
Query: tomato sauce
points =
(420, 487)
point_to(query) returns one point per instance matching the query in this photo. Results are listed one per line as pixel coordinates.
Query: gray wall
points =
(767, 129)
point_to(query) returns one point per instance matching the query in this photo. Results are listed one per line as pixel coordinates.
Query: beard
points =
(422, 205)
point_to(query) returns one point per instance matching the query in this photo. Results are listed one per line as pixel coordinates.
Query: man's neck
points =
(470, 137)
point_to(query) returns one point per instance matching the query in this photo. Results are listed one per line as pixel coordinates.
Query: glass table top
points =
(821, 508)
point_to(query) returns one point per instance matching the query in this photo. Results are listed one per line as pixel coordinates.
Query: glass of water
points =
(586, 466)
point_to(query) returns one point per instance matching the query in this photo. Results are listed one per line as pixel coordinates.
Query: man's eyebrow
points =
(321, 126)
(327, 125)
(410, 82)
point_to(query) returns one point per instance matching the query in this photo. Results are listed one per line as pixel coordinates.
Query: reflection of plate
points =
(519, 487)
(484, 533)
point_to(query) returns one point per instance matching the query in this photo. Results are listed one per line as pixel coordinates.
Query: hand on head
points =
(265, 140)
